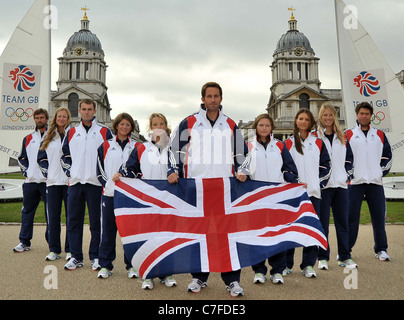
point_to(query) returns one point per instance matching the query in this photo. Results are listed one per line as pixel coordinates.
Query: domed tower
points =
(82, 74)
(295, 79)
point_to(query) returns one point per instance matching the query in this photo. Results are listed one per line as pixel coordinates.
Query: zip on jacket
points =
(146, 161)
(372, 155)
(313, 166)
(272, 163)
(202, 150)
(110, 157)
(79, 152)
(49, 162)
(341, 157)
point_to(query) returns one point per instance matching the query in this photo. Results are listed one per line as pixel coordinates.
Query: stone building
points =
(82, 75)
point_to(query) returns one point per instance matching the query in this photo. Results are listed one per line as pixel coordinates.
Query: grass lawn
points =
(11, 211)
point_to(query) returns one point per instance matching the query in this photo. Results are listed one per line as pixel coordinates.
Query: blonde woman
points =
(56, 184)
(150, 161)
(335, 193)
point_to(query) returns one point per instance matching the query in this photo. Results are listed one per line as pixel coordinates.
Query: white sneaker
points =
(309, 272)
(277, 278)
(68, 256)
(148, 284)
(235, 289)
(348, 263)
(169, 281)
(104, 273)
(196, 285)
(132, 273)
(286, 271)
(52, 256)
(95, 265)
(382, 256)
(259, 278)
(21, 248)
(73, 264)
(323, 264)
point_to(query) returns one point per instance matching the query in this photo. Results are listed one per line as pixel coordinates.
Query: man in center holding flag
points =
(214, 148)
(209, 221)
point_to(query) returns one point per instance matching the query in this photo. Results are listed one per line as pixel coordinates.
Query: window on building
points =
(304, 101)
(86, 71)
(70, 71)
(290, 71)
(299, 70)
(307, 71)
(73, 104)
(78, 70)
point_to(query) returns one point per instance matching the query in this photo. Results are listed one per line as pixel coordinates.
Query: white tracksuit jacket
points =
(79, 152)
(372, 155)
(28, 158)
(146, 162)
(273, 163)
(203, 151)
(314, 166)
(49, 162)
(341, 160)
(110, 158)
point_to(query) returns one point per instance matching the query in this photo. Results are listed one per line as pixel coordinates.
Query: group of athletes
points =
(79, 165)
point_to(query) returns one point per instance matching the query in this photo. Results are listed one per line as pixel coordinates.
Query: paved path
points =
(22, 275)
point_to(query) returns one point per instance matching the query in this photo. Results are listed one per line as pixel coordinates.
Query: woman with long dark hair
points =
(313, 166)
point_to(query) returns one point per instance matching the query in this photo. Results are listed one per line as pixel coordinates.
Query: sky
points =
(160, 52)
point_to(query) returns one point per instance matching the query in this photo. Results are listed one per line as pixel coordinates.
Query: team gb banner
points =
(211, 225)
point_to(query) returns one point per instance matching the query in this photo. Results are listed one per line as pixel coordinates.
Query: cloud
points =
(160, 52)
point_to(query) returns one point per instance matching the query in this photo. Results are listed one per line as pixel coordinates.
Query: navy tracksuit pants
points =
(377, 206)
(56, 195)
(77, 197)
(277, 262)
(227, 277)
(32, 194)
(337, 200)
(107, 252)
(309, 253)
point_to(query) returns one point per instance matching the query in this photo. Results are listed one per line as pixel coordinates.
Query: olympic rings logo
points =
(19, 114)
(378, 118)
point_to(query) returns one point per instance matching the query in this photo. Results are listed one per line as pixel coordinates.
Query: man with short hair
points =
(208, 144)
(372, 161)
(34, 187)
(79, 160)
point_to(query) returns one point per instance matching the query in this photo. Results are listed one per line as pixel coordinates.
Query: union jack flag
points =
(211, 225)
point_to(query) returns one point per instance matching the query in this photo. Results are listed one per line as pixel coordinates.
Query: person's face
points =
(62, 119)
(124, 128)
(40, 121)
(303, 122)
(364, 116)
(264, 128)
(212, 99)
(327, 119)
(158, 127)
(87, 112)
